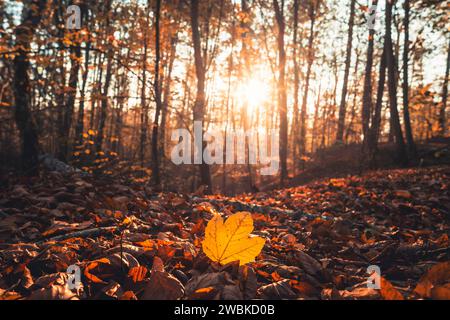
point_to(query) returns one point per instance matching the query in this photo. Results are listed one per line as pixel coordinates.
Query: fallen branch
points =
(83, 233)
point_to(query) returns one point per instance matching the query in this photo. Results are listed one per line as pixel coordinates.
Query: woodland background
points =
(106, 98)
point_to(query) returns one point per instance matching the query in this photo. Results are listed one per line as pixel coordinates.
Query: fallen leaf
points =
(94, 265)
(388, 292)
(163, 286)
(231, 241)
(137, 273)
(438, 274)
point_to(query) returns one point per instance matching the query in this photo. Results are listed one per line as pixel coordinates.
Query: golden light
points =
(255, 93)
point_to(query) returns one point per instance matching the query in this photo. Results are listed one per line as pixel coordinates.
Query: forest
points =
(224, 149)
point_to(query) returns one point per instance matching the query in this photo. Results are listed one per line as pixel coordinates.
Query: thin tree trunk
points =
(406, 117)
(200, 100)
(245, 57)
(367, 95)
(374, 131)
(104, 99)
(21, 87)
(442, 113)
(157, 88)
(296, 89)
(342, 107)
(390, 59)
(310, 59)
(282, 98)
(80, 120)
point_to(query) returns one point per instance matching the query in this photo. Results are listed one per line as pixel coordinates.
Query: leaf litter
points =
(309, 242)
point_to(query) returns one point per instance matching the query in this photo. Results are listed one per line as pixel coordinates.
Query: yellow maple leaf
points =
(231, 241)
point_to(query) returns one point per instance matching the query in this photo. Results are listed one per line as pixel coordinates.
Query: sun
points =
(255, 93)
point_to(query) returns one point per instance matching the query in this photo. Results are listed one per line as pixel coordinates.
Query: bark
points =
(165, 112)
(157, 89)
(342, 106)
(80, 119)
(200, 100)
(406, 118)
(374, 132)
(144, 104)
(21, 87)
(75, 56)
(367, 95)
(392, 85)
(310, 60)
(245, 57)
(296, 87)
(442, 113)
(104, 99)
(282, 97)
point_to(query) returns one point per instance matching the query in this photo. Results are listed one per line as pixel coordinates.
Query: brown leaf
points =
(93, 265)
(277, 291)
(360, 294)
(437, 275)
(248, 282)
(308, 263)
(441, 293)
(137, 273)
(388, 292)
(403, 194)
(163, 286)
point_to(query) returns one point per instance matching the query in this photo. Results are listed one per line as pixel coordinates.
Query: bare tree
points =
(21, 85)
(282, 96)
(342, 106)
(406, 117)
(392, 85)
(200, 100)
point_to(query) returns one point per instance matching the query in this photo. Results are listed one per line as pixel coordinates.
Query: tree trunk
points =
(21, 86)
(80, 120)
(246, 71)
(157, 88)
(342, 107)
(374, 131)
(406, 118)
(282, 98)
(75, 54)
(367, 95)
(200, 100)
(296, 88)
(392, 85)
(165, 112)
(310, 59)
(442, 113)
(104, 98)
(144, 103)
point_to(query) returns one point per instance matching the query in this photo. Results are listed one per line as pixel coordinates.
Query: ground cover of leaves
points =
(319, 239)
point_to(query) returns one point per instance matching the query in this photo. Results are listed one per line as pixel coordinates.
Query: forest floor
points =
(320, 239)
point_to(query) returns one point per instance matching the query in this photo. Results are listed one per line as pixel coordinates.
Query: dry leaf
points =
(94, 265)
(137, 273)
(163, 286)
(231, 241)
(438, 274)
(388, 292)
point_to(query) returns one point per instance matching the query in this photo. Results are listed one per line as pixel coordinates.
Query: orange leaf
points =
(129, 295)
(276, 277)
(204, 290)
(94, 265)
(147, 244)
(137, 273)
(389, 292)
(437, 275)
(441, 293)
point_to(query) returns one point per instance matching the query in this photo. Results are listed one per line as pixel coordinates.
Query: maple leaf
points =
(231, 241)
